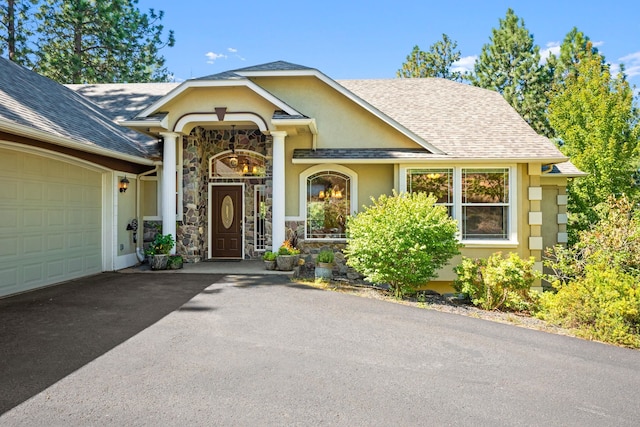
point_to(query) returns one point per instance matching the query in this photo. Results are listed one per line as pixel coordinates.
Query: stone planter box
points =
(269, 265)
(286, 262)
(324, 271)
(158, 262)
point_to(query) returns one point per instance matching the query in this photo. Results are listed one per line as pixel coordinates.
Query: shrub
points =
(603, 304)
(497, 283)
(269, 256)
(401, 240)
(162, 244)
(596, 279)
(325, 256)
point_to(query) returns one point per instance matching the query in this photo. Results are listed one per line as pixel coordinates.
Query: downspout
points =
(140, 249)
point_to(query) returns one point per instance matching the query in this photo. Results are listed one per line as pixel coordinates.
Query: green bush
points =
(401, 240)
(269, 256)
(596, 279)
(603, 304)
(162, 244)
(326, 256)
(497, 283)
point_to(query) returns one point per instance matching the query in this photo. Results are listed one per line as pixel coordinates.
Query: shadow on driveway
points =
(47, 334)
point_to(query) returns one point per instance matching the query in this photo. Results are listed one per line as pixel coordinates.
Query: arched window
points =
(238, 164)
(329, 200)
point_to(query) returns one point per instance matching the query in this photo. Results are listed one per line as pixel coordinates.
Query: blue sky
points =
(355, 39)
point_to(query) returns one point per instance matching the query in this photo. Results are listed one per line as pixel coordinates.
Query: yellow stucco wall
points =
(341, 122)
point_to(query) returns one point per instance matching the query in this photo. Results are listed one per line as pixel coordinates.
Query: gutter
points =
(43, 136)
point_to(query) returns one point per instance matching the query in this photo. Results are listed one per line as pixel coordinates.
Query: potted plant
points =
(324, 265)
(270, 260)
(158, 251)
(175, 262)
(287, 257)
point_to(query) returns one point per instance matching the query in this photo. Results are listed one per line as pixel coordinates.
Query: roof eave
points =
(43, 136)
(423, 160)
(217, 83)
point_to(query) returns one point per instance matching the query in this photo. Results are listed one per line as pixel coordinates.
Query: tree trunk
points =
(11, 29)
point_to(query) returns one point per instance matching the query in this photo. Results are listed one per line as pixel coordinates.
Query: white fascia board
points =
(361, 102)
(422, 160)
(297, 122)
(159, 123)
(43, 136)
(189, 84)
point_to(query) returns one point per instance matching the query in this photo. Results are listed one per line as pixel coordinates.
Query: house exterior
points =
(235, 163)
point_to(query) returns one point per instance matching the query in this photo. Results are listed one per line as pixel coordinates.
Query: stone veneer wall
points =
(309, 250)
(198, 148)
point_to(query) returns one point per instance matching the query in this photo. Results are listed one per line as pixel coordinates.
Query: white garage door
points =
(50, 221)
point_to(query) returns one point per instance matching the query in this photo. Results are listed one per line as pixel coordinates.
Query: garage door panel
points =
(9, 219)
(51, 221)
(55, 242)
(10, 247)
(33, 274)
(55, 218)
(33, 245)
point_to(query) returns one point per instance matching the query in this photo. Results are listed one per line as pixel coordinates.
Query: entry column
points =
(169, 183)
(278, 189)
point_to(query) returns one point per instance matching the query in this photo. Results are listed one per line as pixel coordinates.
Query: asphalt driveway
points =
(260, 350)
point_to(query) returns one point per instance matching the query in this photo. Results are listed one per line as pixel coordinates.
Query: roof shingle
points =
(39, 103)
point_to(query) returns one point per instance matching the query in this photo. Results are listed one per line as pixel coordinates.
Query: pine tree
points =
(437, 62)
(510, 65)
(17, 23)
(100, 41)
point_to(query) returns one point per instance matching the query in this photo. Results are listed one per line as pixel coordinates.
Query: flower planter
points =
(158, 262)
(286, 262)
(324, 271)
(175, 262)
(270, 265)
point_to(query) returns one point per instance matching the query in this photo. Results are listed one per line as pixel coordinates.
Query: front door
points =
(226, 218)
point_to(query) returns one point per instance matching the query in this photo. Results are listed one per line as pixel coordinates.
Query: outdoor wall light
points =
(123, 185)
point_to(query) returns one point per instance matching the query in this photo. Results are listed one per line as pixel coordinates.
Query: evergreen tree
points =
(596, 123)
(16, 24)
(436, 62)
(573, 46)
(100, 41)
(510, 65)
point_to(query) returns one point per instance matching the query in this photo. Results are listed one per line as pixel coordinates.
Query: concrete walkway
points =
(258, 350)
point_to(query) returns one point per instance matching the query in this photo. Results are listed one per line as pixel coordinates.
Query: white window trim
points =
(512, 231)
(353, 207)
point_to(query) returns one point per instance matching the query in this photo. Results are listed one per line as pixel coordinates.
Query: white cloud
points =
(212, 57)
(552, 48)
(631, 64)
(232, 50)
(464, 64)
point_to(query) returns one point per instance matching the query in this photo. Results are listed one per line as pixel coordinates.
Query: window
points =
(479, 198)
(238, 164)
(485, 203)
(438, 182)
(328, 205)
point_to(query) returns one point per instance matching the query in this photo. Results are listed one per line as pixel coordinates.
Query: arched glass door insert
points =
(238, 164)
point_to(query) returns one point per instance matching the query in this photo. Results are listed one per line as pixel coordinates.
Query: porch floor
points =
(243, 267)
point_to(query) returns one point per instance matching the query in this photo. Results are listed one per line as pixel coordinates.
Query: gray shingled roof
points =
(270, 66)
(122, 101)
(461, 120)
(33, 101)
